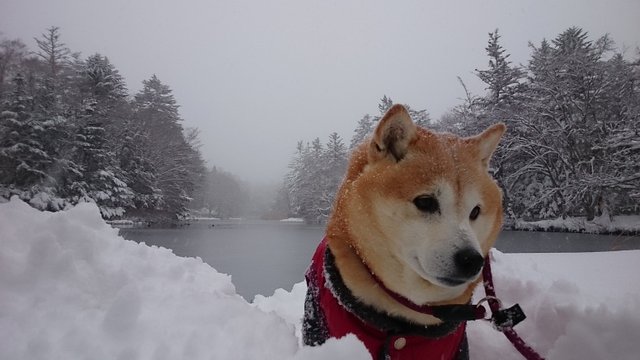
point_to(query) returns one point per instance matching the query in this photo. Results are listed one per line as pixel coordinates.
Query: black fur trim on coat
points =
(380, 320)
(315, 330)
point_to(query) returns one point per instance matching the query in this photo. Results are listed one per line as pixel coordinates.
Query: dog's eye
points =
(426, 203)
(475, 212)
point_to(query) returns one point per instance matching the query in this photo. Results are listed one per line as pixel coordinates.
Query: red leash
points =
(494, 304)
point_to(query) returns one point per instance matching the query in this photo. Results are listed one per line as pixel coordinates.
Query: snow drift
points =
(71, 288)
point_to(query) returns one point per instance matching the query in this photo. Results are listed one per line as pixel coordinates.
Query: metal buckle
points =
(486, 299)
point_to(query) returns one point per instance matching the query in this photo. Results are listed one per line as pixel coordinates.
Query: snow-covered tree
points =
(12, 53)
(52, 51)
(69, 133)
(39, 148)
(463, 119)
(363, 129)
(99, 178)
(501, 77)
(368, 122)
(385, 104)
(164, 145)
(575, 158)
(334, 168)
(101, 84)
(503, 101)
(222, 194)
(23, 161)
(137, 170)
(316, 170)
(98, 89)
(306, 182)
(571, 146)
(420, 117)
(564, 100)
(281, 205)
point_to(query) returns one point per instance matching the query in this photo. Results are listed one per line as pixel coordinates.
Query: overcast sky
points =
(257, 76)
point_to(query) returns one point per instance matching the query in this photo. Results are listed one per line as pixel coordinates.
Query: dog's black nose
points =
(468, 262)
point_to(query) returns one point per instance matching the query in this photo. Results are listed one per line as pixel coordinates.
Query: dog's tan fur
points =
(374, 220)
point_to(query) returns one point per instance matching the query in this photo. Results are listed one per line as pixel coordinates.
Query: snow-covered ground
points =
(599, 225)
(71, 288)
(292, 220)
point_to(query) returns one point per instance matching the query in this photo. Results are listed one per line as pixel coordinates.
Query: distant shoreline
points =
(621, 225)
(618, 225)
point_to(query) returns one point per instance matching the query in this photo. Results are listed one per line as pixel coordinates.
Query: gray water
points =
(262, 256)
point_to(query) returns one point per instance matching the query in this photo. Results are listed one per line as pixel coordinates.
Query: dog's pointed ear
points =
(487, 142)
(393, 134)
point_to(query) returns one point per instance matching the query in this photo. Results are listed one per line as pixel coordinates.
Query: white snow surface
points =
(292, 220)
(602, 224)
(71, 288)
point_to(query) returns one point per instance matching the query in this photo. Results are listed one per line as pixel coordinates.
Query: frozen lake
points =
(262, 256)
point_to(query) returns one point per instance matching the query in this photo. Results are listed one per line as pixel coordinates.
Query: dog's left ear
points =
(487, 142)
(393, 135)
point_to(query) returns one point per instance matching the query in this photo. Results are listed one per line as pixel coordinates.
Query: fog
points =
(257, 76)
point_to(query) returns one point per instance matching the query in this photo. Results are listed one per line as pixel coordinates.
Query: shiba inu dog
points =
(412, 223)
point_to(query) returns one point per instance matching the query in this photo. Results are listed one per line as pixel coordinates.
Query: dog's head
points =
(421, 209)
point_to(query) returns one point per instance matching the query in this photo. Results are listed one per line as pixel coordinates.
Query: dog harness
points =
(332, 311)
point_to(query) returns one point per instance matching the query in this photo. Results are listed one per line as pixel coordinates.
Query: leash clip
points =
(503, 319)
(486, 299)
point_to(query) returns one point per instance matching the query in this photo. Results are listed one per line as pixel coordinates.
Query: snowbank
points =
(627, 224)
(71, 288)
(579, 306)
(292, 220)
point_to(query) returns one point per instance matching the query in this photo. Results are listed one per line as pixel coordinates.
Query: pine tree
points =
(137, 170)
(281, 206)
(334, 168)
(315, 173)
(12, 53)
(99, 180)
(385, 104)
(501, 78)
(23, 161)
(54, 54)
(314, 205)
(102, 86)
(52, 51)
(419, 117)
(100, 90)
(503, 103)
(41, 153)
(68, 133)
(223, 194)
(363, 129)
(572, 103)
(463, 119)
(616, 164)
(293, 181)
(165, 146)
(306, 182)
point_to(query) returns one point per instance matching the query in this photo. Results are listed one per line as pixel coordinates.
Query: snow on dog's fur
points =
(420, 211)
